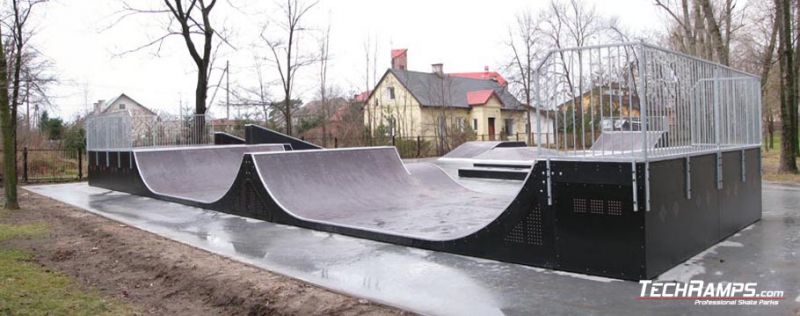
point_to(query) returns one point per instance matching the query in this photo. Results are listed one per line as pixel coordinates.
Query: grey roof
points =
(431, 89)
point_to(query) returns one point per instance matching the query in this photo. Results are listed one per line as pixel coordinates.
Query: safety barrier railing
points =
(635, 101)
(119, 131)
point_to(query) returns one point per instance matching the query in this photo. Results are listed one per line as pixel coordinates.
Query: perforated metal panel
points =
(528, 231)
(579, 205)
(614, 207)
(596, 206)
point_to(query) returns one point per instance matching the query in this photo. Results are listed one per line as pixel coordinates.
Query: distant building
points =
(142, 120)
(414, 103)
(122, 103)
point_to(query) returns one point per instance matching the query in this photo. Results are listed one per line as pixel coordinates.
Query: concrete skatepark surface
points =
(372, 189)
(202, 173)
(437, 283)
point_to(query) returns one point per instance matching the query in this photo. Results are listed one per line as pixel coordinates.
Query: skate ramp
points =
(514, 153)
(201, 174)
(255, 134)
(371, 189)
(620, 141)
(475, 148)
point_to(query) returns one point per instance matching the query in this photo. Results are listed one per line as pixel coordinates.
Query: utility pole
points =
(227, 90)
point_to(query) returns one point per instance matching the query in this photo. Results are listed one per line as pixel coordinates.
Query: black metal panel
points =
(678, 227)
(597, 230)
(222, 138)
(501, 174)
(116, 170)
(498, 165)
(511, 144)
(740, 201)
(255, 134)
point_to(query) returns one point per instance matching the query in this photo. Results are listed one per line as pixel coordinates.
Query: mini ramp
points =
(202, 174)
(580, 218)
(627, 141)
(371, 189)
(474, 148)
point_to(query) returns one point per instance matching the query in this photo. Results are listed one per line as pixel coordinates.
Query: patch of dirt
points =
(160, 276)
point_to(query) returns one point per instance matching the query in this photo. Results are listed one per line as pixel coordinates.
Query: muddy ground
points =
(159, 276)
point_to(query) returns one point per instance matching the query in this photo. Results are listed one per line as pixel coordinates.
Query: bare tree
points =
(753, 50)
(324, 58)
(190, 20)
(186, 14)
(9, 164)
(572, 23)
(703, 28)
(258, 96)
(788, 86)
(20, 13)
(524, 43)
(369, 61)
(285, 51)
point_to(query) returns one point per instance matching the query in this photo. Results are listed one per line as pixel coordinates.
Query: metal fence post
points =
(80, 164)
(25, 164)
(419, 145)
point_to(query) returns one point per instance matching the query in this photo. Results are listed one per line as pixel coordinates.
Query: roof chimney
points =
(98, 106)
(438, 69)
(400, 58)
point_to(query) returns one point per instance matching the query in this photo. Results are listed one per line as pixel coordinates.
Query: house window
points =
(475, 124)
(390, 93)
(392, 126)
(461, 123)
(122, 106)
(509, 127)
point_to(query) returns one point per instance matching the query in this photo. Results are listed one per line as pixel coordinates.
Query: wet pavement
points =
(427, 282)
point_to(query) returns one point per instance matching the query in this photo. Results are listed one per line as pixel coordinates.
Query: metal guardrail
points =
(120, 130)
(691, 105)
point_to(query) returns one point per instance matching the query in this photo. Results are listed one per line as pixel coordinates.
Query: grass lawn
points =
(26, 288)
(769, 163)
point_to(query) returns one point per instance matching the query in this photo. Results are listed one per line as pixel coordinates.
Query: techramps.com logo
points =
(710, 293)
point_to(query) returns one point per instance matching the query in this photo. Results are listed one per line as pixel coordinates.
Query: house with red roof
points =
(427, 104)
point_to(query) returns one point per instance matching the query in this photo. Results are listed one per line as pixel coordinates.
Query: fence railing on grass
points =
(36, 165)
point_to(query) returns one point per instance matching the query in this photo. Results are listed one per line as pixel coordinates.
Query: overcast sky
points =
(463, 35)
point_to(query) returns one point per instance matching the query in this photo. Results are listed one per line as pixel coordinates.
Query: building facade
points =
(428, 104)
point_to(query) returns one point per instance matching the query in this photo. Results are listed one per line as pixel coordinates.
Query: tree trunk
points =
(9, 158)
(200, 94)
(287, 113)
(715, 33)
(788, 88)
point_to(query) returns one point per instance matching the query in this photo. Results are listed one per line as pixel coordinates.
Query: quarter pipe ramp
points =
(201, 174)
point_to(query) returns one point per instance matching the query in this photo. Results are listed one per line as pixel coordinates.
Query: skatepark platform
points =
(439, 283)
(584, 217)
